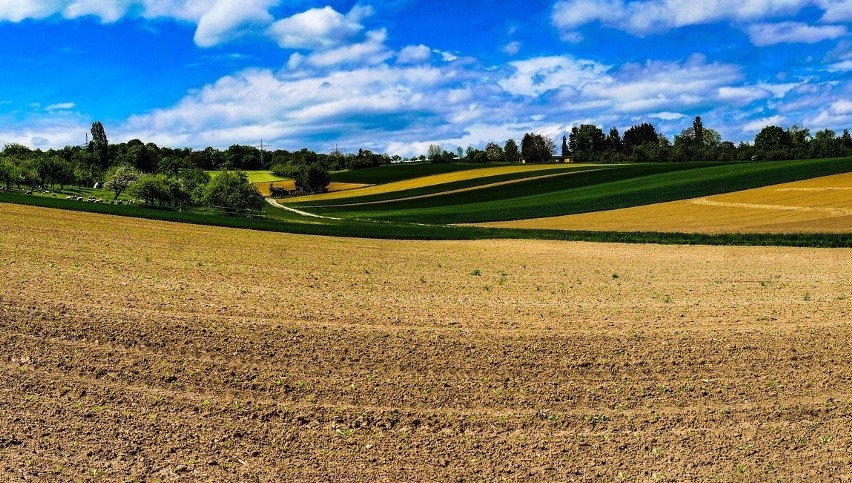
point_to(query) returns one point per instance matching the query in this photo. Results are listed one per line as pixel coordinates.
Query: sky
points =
(398, 75)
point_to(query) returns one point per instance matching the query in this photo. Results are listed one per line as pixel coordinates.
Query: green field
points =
(259, 176)
(619, 186)
(430, 190)
(582, 190)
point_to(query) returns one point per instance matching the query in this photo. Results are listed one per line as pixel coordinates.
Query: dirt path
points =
(276, 204)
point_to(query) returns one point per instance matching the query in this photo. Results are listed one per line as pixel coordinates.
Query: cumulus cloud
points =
(371, 51)
(318, 28)
(232, 18)
(533, 77)
(643, 17)
(414, 54)
(837, 11)
(395, 106)
(649, 16)
(786, 32)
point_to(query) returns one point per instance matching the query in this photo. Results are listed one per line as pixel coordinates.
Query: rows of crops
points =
(592, 190)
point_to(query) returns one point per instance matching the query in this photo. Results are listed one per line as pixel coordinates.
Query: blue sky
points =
(397, 75)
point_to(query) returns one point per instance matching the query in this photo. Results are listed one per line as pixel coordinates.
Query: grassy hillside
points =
(620, 187)
(399, 190)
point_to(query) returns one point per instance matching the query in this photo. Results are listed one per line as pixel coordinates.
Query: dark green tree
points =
(773, 142)
(99, 145)
(587, 143)
(536, 148)
(511, 152)
(638, 135)
(315, 178)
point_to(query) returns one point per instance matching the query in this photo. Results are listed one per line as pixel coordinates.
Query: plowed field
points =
(135, 350)
(818, 205)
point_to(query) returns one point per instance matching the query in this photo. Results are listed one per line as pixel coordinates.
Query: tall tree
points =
(698, 131)
(510, 150)
(565, 151)
(99, 144)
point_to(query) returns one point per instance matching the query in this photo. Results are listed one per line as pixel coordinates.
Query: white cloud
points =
(649, 16)
(62, 106)
(843, 66)
(778, 90)
(758, 124)
(414, 54)
(395, 107)
(447, 56)
(534, 77)
(837, 10)
(370, 52)
(668, 116)
(512, 48)
(786, 32)
(229, 19)
(742, 95)
(318, 28)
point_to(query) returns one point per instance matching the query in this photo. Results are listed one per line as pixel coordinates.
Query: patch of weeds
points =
(147, 258)
(741, 468)
(615, 276)
(476, 272)
(826, 438)
(345, 432)
(487, 288)
(807, 297)
(502, 279)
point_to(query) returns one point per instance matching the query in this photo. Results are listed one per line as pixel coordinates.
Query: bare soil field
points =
(818, 205)
(134, 350)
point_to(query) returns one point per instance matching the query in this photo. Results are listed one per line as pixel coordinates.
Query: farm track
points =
(138, 350)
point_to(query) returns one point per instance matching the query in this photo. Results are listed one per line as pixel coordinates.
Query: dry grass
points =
(816, 205)
(433, 180)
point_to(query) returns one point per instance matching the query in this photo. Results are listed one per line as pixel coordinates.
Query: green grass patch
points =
(258, 176)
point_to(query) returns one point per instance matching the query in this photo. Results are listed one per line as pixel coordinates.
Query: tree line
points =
(167, 176)
(174, 176)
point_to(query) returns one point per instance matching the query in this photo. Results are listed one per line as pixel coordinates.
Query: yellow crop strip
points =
(431, 181)
(816, 205)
